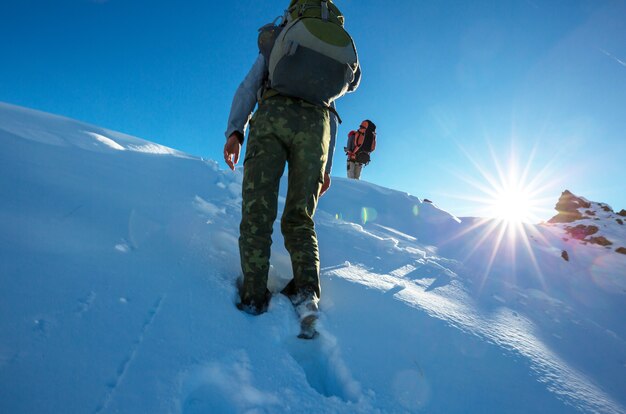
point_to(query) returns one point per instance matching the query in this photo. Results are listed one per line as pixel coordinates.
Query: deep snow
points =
(118, 258)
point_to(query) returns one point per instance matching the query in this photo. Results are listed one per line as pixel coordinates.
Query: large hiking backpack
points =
(366, 142)
(310, 55)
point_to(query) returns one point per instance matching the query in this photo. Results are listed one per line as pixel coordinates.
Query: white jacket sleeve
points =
(333, 139)
(245, 98)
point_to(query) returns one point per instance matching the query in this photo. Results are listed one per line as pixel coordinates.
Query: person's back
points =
(361, 144)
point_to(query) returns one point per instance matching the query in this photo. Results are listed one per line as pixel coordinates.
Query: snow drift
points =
(118, 258)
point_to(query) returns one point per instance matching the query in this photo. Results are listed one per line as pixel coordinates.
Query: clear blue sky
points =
(455, 87)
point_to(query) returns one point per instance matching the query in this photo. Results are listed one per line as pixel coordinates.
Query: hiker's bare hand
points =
(232, 149)
(326, 184)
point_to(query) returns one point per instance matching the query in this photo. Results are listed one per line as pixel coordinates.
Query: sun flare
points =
(513, 205)
(512, 191)
(509, 197)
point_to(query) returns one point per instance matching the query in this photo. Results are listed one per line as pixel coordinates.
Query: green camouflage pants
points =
(282, 131)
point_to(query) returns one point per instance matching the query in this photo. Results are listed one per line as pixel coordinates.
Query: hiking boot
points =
(307, 306)
(305, 302)
(255, 306)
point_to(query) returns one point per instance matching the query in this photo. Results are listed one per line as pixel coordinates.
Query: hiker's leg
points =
(263, 166)
(357, 170)
(307, 159)
(350, 169)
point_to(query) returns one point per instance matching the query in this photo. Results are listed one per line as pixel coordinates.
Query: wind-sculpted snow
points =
(118, 262)
(503, 327)
(64, 132)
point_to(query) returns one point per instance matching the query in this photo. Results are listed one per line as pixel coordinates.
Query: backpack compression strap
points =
(325, 10)
(334, 111)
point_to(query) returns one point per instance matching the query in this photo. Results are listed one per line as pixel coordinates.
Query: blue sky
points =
(459, 90)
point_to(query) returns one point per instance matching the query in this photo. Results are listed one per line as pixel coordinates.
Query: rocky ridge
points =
(590, 222)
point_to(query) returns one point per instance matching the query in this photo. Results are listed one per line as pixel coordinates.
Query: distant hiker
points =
(295, 124)
(361, 144)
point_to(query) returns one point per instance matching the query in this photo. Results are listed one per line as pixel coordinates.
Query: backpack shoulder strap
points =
(268, 34)
(358, 141)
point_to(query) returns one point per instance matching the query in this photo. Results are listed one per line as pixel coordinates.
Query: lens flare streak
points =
(511, 199)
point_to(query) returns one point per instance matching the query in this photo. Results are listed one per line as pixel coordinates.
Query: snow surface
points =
(118, 260)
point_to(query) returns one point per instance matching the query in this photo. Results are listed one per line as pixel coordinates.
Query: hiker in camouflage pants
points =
(283, 130)
(289, 131)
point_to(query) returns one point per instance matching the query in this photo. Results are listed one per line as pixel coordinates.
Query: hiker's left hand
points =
(326, 184)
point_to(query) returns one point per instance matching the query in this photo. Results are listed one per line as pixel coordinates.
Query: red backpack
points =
(362, 142)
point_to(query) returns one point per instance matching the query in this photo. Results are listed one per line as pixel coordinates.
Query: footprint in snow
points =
(325, 370)
(227, 386)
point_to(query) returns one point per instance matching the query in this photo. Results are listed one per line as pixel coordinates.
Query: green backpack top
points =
(310, 55)
(300, 8)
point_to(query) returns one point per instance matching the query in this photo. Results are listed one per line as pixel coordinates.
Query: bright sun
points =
(512, 205)
(508, 196)
(511, 193)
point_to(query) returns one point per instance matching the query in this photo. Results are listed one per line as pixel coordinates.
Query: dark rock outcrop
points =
(568, 206)
(572, 208)
(601, 240)
(581, 231)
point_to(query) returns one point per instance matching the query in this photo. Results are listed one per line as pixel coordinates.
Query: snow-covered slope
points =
(117, 266)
